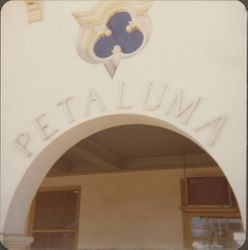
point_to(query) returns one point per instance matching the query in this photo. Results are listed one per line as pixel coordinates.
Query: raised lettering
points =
(155, 106)
(122, 95)
(44, 127)
(22, 141)
(94, 98)
(216, 124)
(67, 110)
(185, 112)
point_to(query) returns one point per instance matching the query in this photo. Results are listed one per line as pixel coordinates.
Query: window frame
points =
(207, 211)
(31, 217)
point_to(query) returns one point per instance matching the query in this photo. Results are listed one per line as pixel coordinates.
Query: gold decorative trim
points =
(99, 13)
(34, 9)
(93, 25)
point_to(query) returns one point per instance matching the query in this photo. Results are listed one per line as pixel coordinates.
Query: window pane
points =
(199, 227)
(200, 244)
(56, 209)
(218, 227)
(208, 191)
(198, 222)
(41, 241)
(70, 220)
(199, 233)
(235, 224)
(218, 244)
(55, 241)
(214, 232)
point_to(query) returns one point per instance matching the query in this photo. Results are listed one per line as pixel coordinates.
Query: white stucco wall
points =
(130, 210)
(198, 47)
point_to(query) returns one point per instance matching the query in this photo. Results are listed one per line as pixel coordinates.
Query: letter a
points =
(216, 124)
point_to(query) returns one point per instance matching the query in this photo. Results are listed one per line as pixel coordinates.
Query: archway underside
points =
(41, 165)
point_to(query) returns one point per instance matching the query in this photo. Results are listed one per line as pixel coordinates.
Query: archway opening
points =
(135, 186)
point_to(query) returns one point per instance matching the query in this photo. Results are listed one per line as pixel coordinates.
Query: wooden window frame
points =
(185, 200)
(31, 217)
(208, 211)
(204, 212)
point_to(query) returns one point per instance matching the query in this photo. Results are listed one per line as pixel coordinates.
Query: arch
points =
(43, 162)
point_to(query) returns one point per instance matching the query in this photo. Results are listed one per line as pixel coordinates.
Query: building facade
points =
(71, 69)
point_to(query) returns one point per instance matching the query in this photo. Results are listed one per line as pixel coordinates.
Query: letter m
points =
(184, 112)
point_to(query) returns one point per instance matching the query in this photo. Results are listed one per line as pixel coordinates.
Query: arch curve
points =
(43, 162)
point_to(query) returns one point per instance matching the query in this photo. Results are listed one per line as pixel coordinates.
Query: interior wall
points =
(131, 209)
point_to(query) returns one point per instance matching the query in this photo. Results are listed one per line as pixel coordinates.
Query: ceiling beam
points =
(74, 162)
(188, 160)
(88, 150)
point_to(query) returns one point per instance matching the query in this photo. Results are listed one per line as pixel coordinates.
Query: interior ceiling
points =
(144, 141)
(131, 147)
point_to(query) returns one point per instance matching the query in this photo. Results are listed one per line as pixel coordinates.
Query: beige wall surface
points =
(196, 48)
(130, 210)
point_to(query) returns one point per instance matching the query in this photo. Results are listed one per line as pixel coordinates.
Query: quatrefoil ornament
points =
(113, 30)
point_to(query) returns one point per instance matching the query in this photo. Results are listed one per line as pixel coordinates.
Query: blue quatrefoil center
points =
(128, 42)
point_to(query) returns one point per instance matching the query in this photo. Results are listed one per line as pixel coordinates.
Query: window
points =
(209, 221)
(211, 229)
(209, 191)
(55, 219)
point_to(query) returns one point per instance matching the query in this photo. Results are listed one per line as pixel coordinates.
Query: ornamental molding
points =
(34, 9)
(99, 26)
